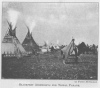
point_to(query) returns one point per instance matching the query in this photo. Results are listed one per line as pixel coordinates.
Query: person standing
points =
(76, 55)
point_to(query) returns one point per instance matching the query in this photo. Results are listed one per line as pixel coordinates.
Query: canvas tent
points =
(11, 45)
(29, 44)
(68, 50)
(45, 48)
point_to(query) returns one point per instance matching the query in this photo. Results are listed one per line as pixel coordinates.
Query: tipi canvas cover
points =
(11, 44)
(67, 50)
(29, 44)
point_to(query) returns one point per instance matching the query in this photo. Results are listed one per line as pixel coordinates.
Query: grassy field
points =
(50, 66)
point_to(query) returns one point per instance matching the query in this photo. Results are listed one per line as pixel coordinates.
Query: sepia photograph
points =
(50, 40)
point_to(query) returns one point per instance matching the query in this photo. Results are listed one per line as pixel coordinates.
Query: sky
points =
(53, 22)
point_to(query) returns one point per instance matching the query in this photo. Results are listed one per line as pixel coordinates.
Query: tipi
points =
(67, 51)
(11, 45)
(29, 44)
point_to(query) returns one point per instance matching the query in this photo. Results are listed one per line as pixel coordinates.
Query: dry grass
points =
(50, 66)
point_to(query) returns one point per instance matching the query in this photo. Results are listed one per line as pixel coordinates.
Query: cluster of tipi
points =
(11, 46)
